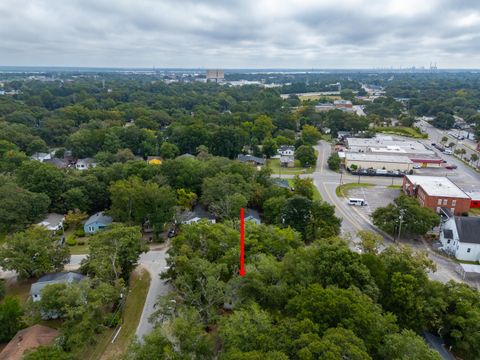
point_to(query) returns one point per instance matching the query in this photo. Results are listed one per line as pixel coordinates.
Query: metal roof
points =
(377, 158)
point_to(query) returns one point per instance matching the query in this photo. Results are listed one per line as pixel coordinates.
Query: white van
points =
(357, 202)
(448, 152)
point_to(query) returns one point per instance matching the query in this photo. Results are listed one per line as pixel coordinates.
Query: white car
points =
(417, 166)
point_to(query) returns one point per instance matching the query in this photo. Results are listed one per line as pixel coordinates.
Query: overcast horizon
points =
(248, 34)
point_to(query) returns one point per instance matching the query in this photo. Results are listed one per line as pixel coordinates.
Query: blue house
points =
(97, 222)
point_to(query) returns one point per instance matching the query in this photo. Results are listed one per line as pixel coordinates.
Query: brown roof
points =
(29, 338)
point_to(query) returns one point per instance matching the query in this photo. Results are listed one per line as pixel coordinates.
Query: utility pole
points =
(400, 219)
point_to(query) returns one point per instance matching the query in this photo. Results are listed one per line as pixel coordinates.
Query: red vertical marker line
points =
(242, 242)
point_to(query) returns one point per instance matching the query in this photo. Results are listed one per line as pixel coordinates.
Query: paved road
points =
(155, 262)
(353, 220)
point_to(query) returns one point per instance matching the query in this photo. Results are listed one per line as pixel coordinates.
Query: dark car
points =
(172, 232)
(451, 167)
(433, 144)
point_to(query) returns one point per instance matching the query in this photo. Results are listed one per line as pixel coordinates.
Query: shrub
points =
(79, 233)
(81, 242)
(71, 241)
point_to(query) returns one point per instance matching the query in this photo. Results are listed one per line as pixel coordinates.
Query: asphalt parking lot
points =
(376, 196)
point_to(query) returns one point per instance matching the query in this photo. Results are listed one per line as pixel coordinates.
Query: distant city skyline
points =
(244, 34)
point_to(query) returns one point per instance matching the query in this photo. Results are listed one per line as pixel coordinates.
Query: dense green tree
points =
(181, 337)
(33, 253)
(310, 135)
(303, 187)
(19, 207)
(169, 150)
(269, 147)
(336, 343)
(334, 162)
(114, 253)
(406, 212)
(42, 178)
(407, 346)
(10, 318)
(306, 155)
(137, 202)
(348, 308)
(47, 353)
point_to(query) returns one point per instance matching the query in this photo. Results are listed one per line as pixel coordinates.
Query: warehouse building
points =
(374, 161)
(385, 145)
(436, 192)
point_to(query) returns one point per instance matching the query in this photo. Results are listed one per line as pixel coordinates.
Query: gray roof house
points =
(57, 278)
(53, 222)
(98, 221)
(255, 160)
(459, 236)
(252, 215)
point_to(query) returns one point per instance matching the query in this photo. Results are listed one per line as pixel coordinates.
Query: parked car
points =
(172, 232)
(417, 166)
(451, 166)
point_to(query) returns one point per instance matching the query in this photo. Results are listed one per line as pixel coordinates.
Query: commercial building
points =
(215, 75)
(374, 161)
(474, 200)
(459, 236)
(436, 192)
(385, 145)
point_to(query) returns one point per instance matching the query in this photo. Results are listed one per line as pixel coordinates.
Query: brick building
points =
(435, 192)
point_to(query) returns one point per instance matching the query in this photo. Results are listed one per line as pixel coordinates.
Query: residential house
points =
(58, 163)
(57, 278)
(286, 150)
(196, 215)
(186, 155)
(84, 164)
(154, 160)
(27, 339)
(96, 222)
(252, 215)
(436, 192)
(250, 159)
(41, 156)
(287, 161)
(459, 236)
(53, 222)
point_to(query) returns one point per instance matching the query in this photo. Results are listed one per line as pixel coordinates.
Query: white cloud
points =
(239, 33)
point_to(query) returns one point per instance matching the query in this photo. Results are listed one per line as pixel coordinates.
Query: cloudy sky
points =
(240, 33)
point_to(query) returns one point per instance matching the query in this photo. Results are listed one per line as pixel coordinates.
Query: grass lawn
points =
(79, 249)
(403, 131)
(137, 293)
(343, 189)
(274, 165)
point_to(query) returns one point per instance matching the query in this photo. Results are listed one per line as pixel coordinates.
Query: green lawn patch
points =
(343, 189)
(402, 130)
(474, 212)
(274, 165)
(396, 187)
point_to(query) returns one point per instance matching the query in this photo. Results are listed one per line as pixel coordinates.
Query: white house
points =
(84, 164)
(286, 150)
(460, 236)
